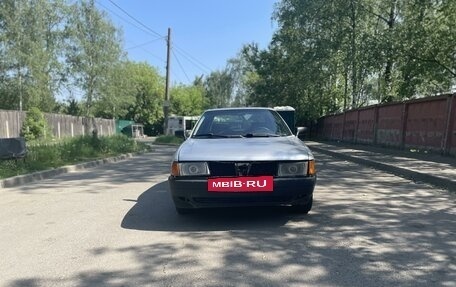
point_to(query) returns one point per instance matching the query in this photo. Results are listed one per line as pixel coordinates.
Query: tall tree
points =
(239, 69)
(218, 88)
(118, 94)
(334, 55)
(187, 100)
(31, 37)
(94, 48)
(427, 47)
(147, 88)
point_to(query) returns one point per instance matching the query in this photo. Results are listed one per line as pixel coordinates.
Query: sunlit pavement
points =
(115, 225)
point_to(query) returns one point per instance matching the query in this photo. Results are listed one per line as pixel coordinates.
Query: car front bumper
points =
(193, 193)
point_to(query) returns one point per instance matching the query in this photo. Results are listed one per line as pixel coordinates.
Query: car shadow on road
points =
(154, 211)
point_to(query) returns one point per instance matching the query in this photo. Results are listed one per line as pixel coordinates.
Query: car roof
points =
(239, 108)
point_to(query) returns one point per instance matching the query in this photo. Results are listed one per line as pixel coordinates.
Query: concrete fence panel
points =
(427, 123)
(425, 126)
(389, 125)
(366, 126)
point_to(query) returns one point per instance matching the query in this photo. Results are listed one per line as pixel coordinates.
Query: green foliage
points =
(42, 156)
(187, 100)
(427, 45)
(93, 49)
(155, 128)
(34, 127)
(328, 56)
(31, 37)
(119, 94)
(218, 88)
(9, 168)
(229, 86)
(240, 71)
(169, 140)
(325, 56)
(52, 155)
(73, 107)
(147, 88)
(48, 46)
(81, 148)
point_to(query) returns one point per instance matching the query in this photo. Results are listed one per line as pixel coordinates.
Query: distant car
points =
(242, 157)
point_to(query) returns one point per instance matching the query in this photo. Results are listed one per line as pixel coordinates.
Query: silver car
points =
(242, 157)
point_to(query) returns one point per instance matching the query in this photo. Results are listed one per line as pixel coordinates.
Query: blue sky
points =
(204, 33)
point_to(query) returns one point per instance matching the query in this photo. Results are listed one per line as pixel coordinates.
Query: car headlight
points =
(296, 168)
(189, 169)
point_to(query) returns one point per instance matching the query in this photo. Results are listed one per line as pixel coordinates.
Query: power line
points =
(153, 55)
(139, 28)
(180, 65)
(192, 59)
(143, 44)
(136, 20)
(127, 21)
(176, 77)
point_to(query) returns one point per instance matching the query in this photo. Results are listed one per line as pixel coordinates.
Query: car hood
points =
(243, 149)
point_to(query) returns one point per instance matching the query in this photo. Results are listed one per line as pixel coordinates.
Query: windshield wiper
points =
(260, 135)
(210, 135)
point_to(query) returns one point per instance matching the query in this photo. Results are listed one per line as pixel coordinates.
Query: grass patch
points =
(48, 155)
(169, 140)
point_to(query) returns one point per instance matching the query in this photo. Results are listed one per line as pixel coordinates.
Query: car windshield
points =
(235, 123)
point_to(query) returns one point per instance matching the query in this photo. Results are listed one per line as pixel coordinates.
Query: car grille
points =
(242, 168)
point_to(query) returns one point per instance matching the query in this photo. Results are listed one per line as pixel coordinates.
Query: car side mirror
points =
(300, 130)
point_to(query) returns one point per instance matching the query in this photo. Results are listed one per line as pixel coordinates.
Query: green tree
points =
(325, 46)
(187, 100)
(328, 56)
(239, 69)
(118, 95)
(147, 88)
(31, 34)
(93, 50)
(219, 88)
(427, 47)
(73, 107)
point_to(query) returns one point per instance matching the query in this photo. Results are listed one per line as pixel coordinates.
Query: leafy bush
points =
(48, 155)
(121, 144)
(169, 140)
(34, 127)
(43, 157)
(77, 149)
(10, 168)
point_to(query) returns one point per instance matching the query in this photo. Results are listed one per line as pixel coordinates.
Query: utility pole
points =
(19, 72)
(20, 90)
(166, 103)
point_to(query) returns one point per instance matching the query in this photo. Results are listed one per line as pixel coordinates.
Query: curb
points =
(399, 171)
(45, 174)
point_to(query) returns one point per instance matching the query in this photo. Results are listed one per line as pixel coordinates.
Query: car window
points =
(241, 123)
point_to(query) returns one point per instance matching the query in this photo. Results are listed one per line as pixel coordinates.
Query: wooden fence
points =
(60, 125)
(427, 123)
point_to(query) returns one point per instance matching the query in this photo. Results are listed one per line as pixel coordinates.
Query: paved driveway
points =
(115, 225)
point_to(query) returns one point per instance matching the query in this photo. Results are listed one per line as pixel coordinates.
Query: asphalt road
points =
(115, 225)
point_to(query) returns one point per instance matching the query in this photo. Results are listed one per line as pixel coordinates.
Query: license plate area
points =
(241, 184)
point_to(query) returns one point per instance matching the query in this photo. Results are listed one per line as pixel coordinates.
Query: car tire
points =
(303, 208)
